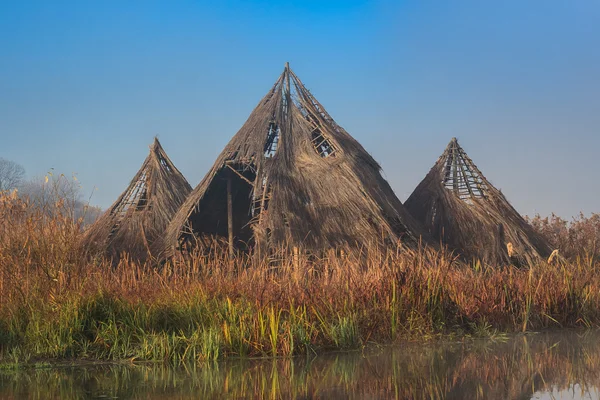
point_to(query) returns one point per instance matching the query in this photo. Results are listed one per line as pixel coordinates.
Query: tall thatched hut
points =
(463, 210)
(292, 176)
(142, 212)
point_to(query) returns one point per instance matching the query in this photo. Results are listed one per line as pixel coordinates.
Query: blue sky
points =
(85, 85)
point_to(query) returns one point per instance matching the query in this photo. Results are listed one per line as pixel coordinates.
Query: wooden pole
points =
(230, 215)
(454, 169)
(287, 75)
(265, 189)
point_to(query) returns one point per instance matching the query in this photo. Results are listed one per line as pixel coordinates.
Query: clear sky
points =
(85, 85)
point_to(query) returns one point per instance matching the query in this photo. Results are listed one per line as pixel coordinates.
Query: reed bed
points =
(57, 304)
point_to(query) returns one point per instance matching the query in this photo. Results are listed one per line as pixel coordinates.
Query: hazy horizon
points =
(84, 88)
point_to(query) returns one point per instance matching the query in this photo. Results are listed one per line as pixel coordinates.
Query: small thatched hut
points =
(142, 212)
(292, 176)
(463, 210)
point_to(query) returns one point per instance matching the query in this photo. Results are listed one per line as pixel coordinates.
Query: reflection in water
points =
(541, 366)
(573, 392)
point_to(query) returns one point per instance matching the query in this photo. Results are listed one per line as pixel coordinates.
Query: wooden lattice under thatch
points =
(463, 210)
(292, 176)
(142, 212)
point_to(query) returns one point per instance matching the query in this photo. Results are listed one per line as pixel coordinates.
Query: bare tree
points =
(45, 191)
(11, 174)
(58, 193)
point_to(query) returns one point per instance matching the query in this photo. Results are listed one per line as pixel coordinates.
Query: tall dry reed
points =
(55, 303)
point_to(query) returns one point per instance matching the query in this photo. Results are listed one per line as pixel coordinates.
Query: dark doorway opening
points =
(211, 216)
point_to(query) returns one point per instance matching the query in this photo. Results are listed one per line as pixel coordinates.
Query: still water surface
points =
(563, 365)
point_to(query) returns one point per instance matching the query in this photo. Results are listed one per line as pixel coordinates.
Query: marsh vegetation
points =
(55, 303)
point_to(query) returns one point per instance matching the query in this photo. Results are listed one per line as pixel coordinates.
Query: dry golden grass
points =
(54, 303)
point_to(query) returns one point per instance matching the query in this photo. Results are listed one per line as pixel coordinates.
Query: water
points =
(563, 365)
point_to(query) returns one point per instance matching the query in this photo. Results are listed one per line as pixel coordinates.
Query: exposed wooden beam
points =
(230, 215)
(240, 175)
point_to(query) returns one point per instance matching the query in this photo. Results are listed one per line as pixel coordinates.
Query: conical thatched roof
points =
(462, 209)
(142, 212)
(297, 178)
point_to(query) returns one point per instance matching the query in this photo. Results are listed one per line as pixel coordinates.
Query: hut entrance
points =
(226, 208)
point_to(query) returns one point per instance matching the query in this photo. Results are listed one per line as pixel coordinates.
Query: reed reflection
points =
(562, 365)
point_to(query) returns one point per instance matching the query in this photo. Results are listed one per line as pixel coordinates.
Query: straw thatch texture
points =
(463, 210)
(297, 178)
(142, 212)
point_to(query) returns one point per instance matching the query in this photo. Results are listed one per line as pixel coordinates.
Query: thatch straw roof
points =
(297, 178)
(142, 212)
(463, 210)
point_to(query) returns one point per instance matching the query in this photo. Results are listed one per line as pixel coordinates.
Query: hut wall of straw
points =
(464, 211)
(296, 178)
(142, 212)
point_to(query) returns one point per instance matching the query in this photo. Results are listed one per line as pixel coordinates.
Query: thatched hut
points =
(293, 177)
(463, 210)
(142, 212)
